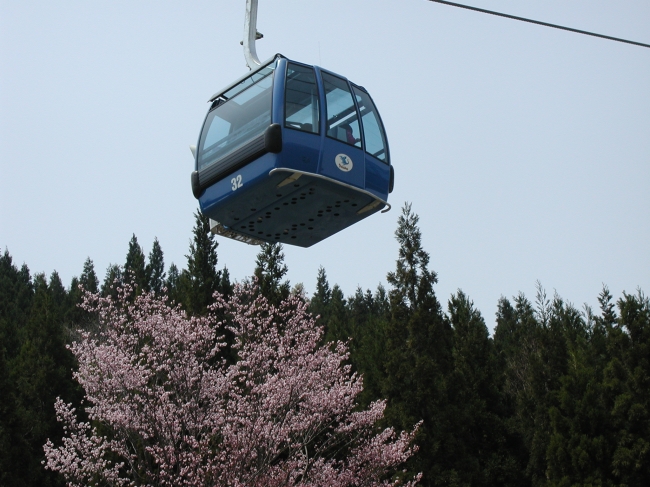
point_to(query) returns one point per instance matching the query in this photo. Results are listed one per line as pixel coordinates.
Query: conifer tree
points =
(135, 270)
(155, 269)
(320, 301)
(88, 279)
(369, 315)
(201, 279)
(412, 279)
(16, 297)
(226, 287)
(520, 342)
(419, 354)
(112, 280)
(359, 313)
(73, 298)
(270, 269)
(626, 379)
(172, 283)
(16, 294)
(336, 323)
(59, 295)
(481, 444)
(8, 412)
(577, 446)
(514, 324)
(75, 316)
(43, 371)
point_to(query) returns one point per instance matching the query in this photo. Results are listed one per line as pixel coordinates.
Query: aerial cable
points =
(545, 24)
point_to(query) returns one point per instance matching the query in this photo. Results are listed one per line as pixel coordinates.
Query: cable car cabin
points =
(291, 153)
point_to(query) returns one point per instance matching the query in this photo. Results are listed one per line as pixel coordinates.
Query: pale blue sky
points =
(525, 150)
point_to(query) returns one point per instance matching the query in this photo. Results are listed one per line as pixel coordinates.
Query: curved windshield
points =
(240, 114)
(342, 117)
(373, 131)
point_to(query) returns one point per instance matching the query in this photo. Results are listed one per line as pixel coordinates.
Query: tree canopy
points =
(555, 396)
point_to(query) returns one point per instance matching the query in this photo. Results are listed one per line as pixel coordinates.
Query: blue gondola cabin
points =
(291, 153)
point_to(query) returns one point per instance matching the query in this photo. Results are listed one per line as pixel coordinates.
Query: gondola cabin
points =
(291, 153)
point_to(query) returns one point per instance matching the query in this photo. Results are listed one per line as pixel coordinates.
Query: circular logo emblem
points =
(344, 163)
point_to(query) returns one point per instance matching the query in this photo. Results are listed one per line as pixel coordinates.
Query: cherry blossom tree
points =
(164, 407)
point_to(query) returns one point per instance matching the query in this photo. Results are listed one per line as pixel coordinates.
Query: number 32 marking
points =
(236, 182)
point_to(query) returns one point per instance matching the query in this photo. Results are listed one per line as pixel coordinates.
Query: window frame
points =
(380, 124)
(354, 105)
(227, 95)
(317, 100)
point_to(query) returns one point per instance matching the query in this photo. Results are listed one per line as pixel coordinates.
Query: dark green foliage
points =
(155, 269)
(43, 371)
(16, 295)
(135, 269)
(77, 318)
(225, 286)
(481, 447)
(419, 356)
(335, 317)
(368, 315)
(517, 339)
(319, 303)
(35, 367)
(199, 282)
(88, 279)
(412, 280)
(113, 280)
(627, 381)
(172, 283)
(9, 433)
(558, 396)
(577, 389)
(270, 269)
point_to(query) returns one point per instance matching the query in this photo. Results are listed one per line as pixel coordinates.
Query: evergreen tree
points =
(269, 271)
(59, 296)
(419, 355)
(155, 269)
(484, 450)
(360, 313)
(369, 316)
(74, 296)
(201, 279)
(43, 371)
(16, 297)
(321, 298)
(578, 452)
(336, 317)
(172, 283)
(113, 280)
(8, 420)
(88, 278)
(135, 269)
(77, 317)
(412, 280)
(16, 294)
(226, 287)
(521, 342)
(512, 330)
(627, 380)
(551, 362)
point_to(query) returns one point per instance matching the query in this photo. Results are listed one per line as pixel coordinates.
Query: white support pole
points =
(250, 34)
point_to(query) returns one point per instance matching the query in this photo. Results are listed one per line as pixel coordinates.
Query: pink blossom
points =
(166, 408)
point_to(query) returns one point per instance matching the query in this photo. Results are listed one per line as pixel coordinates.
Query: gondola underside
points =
(292, 207)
